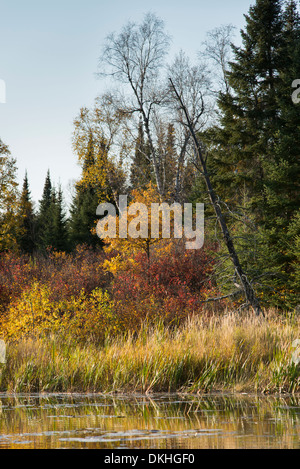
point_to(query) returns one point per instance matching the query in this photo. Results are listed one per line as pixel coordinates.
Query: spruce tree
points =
(255, 149)
(282, 186)
(141, 170)
(82, 219)
(27, 221)
(170, 160)
(45, 215)
(52, 221)
(249, 114)
(60, 233)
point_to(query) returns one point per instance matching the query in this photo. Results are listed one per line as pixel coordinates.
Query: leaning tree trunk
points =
(247, 287)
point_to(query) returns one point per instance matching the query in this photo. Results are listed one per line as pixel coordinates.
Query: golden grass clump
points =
(219, 353)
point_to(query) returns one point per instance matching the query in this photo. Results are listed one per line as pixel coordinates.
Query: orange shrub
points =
(170, 285)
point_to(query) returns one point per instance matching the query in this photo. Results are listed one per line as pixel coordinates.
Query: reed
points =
(220, 353)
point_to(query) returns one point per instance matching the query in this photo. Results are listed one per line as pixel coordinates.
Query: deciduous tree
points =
(8, 199)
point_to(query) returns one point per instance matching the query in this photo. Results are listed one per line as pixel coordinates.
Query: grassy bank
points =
(225, 353)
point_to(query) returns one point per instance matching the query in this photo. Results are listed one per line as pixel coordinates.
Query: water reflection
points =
(159, 421)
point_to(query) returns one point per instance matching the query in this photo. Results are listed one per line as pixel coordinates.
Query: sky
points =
(49, 54)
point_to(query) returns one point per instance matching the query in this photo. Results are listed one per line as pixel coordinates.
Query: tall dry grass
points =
(226, 353)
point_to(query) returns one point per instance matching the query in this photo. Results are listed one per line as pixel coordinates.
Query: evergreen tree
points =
(249, 112)
(60, 233)
(83, 217)
(82, 220)
(52, 222)
(293, 250)
(170, 160)
(282, 186)
(141, 168)
(27, 222)
(282, 183)
(45, 215)
(256, 147)
(47, 236)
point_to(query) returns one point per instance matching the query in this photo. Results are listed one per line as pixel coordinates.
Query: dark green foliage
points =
(60, 232)
(44, 211)
(141, 167)
(83, 218)
(82, 221)
(44, 225)
(249, 112)
(255, 149)
(51, 220)
(282, 185)
(27, 220)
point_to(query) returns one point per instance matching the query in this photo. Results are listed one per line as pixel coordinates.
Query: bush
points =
(83, 318)
(77, 295)
(66, 275)
(171, 286)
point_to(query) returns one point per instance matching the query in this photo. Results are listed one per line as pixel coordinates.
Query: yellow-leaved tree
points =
(8, 199)
(98, 141)
(143, 232)
(95, 142)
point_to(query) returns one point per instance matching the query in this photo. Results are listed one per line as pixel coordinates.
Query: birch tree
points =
(134, 57)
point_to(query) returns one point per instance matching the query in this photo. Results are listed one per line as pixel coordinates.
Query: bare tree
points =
(192, 83)
(134, 57)
(200, 164)
(218, 50)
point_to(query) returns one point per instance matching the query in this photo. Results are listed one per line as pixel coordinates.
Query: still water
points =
(160, 421)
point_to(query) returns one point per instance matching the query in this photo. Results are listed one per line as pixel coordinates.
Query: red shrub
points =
(176, 282)
(66, 274)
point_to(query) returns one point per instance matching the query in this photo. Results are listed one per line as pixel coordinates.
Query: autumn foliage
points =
(171, 285)
(76, 294)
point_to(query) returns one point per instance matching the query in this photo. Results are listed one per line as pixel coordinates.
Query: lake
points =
(160, 421)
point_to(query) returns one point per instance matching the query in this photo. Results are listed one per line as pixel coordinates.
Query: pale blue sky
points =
(48, 58)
